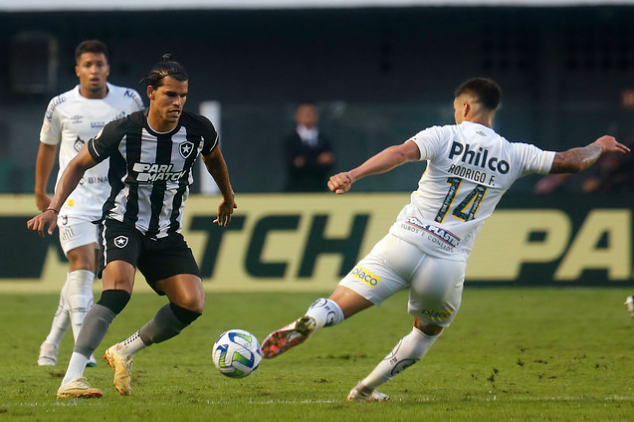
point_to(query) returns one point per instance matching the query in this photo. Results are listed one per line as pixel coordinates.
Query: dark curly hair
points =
(165, 67)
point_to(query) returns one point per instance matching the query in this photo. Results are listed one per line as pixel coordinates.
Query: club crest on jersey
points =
(121, 242)
(79, 143)
(185, 149)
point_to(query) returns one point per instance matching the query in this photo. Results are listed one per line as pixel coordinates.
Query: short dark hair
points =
(90, 46)
(164, 68)
(487, 91)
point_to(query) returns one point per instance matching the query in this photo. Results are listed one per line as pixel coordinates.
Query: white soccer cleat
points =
(629, 302)
(289, 336)
(364, 394)
(121, 364)
(78, 388)
(48, 354)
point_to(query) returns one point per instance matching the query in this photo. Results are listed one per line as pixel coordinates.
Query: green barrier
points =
(284, 242)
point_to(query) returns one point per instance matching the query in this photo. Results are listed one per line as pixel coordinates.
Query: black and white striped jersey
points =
(150, 172)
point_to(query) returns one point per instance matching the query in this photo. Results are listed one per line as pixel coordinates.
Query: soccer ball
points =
(236, 353)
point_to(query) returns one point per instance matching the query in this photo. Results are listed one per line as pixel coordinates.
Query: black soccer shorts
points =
(156, 259)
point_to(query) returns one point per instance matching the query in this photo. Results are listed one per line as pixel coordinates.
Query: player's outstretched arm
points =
(216, 166)
(382, 162)
(578, 159)
(67, 184)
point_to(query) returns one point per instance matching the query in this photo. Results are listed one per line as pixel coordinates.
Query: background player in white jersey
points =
(152, 154)
(71, 119)
(469, 167)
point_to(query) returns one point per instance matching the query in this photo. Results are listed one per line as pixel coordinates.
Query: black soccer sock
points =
(168, 322)
(115, 300)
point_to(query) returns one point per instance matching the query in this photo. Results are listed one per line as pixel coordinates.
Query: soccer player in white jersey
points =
(152, 154)
(71, 119)
(469, 168)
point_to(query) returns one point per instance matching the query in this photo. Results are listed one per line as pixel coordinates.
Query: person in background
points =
(71, 119)
(308, 154)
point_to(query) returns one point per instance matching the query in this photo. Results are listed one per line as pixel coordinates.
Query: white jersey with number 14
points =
(469, 168)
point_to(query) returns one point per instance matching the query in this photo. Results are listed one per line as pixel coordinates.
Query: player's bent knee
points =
(430, 330)
(192, 301)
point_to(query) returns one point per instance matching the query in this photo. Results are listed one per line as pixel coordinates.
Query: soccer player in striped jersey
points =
(469, 168)
(152, 154)
(71, 119)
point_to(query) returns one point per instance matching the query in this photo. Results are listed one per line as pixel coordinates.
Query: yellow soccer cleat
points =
(122, 367)
(78, 388)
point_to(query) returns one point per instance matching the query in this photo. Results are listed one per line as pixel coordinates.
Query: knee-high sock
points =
(79, 297)
(326, 313)
(61, 320)
(168, 322)
(94, 329)
(409, 350)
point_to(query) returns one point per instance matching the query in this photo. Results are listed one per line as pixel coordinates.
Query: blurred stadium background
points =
(380, 70)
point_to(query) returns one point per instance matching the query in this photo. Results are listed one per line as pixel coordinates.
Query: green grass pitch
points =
(511, 354)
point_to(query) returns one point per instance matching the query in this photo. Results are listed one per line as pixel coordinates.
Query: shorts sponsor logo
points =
(444, 238)
(66, 233)
(121, 242)
(185, 149)
(436, 314)
(366, 276)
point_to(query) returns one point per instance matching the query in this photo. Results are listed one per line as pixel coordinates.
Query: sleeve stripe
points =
(549, 157)
(91, 148)
(421, 146)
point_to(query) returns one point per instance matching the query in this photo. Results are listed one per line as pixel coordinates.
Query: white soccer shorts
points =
(77, 231)
(435, 284)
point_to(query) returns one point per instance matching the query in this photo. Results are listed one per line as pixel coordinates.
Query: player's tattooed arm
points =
(575, 159)
(578, 159)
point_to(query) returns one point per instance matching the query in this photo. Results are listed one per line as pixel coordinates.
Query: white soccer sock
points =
(79, 297)
(76, 368)
(61, 320)
(407, 352)
(326, 313)
(132, 344)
